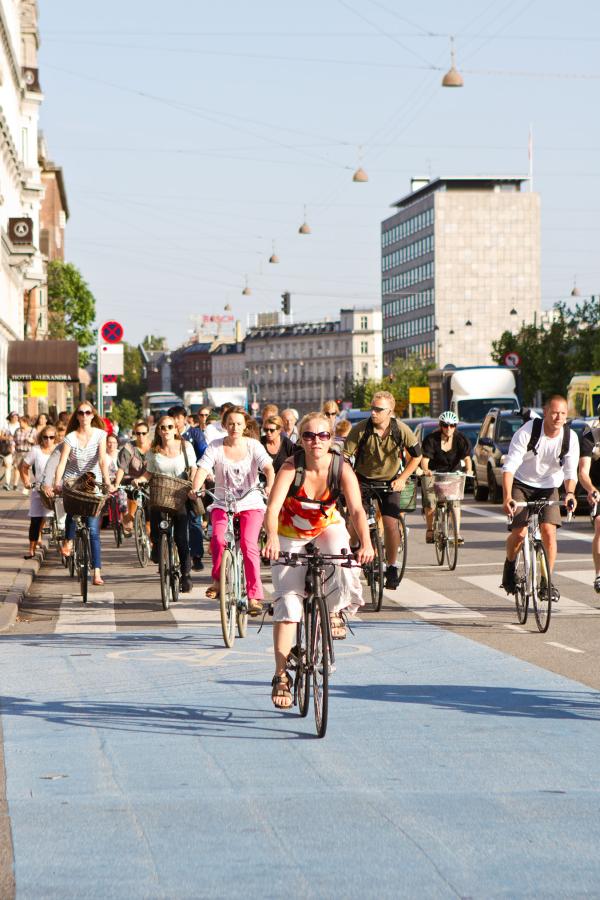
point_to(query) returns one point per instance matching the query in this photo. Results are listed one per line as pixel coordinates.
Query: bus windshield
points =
(475, 410)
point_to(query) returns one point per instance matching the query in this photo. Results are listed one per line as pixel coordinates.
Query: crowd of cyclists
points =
(297, 481)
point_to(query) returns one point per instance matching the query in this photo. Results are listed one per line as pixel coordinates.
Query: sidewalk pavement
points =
(16, 573)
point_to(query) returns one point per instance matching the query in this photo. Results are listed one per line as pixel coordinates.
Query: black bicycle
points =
(312, 657)
(374, 571)
(168, 561)
(80, 560)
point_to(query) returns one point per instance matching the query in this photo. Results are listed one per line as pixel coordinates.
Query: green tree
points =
(131, 383)
(71, 307)
(125, 413)
(407, 373)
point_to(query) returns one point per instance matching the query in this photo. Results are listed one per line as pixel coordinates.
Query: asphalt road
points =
(143, 759)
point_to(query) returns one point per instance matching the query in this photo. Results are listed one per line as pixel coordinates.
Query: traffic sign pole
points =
(110, 333)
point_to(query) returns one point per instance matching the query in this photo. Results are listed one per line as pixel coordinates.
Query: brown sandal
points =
(212, 593)
(281, 685)
(429, 536)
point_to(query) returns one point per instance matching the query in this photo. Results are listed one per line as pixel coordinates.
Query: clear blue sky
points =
(192, 135)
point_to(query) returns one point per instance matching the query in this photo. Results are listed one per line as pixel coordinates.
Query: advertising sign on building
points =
(38, 388)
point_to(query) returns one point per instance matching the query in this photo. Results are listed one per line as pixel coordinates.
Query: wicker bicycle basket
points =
(169, 493)
(449, 485)
(80, 503)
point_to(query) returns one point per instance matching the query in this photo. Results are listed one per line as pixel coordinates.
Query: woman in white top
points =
(174, 456)
(84, 450)
(235, 462)
(34, 465)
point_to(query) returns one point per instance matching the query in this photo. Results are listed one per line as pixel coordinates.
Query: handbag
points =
(195, 507)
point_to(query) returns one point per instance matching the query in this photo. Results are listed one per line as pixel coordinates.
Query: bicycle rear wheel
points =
(451, 538)
(227, 598)
(521, 595)
(439, 534)
(318, 650)
(141, 537)
(302, 681)
(83, 564)
(163, 570)
(377, 573)
(402, 548)
(541, 589)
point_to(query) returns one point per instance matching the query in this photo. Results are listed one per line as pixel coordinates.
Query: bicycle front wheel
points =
(542, 589)
(521, 594)
(439, 534)
(163, 570)
(319, 663)
(83, 564)
(377, 573)
(451, 539)
(227, 598)
(302, 681)
(141, 537)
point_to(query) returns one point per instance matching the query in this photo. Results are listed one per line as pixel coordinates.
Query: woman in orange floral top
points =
(291, 522)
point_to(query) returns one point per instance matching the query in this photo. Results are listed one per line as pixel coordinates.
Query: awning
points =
(43, 361)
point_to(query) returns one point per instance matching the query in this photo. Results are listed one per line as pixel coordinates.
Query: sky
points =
(194, 137)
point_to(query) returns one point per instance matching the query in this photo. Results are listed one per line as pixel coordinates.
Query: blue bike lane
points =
(152, 764)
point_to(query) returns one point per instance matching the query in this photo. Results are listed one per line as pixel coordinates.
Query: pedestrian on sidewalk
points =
(7, 448)
(32, 472)
(25, 437)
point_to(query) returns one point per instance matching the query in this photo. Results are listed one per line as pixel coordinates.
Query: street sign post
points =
(109, 359)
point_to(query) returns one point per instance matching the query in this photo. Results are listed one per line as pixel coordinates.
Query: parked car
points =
(354, 415)
(490, 450)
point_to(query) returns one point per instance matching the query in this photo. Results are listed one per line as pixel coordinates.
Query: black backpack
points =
(334, 476)
(536, 433)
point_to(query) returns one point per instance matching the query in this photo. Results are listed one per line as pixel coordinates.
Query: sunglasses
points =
(270, 430)
(448, 425)
(380, 409)
(331, 414)
(140, 433)
(315, 435)
(85, 412)
(48, 437)
(204, 415)
(167, 427)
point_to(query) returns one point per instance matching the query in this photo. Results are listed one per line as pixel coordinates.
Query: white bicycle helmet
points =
(448, 418)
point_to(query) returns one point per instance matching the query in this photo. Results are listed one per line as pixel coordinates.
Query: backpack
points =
(395, 432)
(334, 476)
(536, 433)
(5, 446)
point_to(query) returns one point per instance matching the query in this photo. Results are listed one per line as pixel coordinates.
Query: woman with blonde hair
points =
(310, 514)
(234, 462)
(331, 411)
(84, 450)
(275, 442)
(173, 456)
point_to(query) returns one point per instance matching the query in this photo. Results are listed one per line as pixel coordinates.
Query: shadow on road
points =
(480, 700)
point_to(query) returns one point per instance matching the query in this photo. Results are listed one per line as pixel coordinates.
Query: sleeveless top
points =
(303, 518)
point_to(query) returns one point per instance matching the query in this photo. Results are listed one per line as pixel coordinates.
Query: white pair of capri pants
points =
(341, 584)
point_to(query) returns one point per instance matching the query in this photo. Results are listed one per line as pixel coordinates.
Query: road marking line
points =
(518, 628)
(195, 609)
(76, 618)
(564, 647)
(428, 604)
(566, 606)
(567, 534)
(583, 577)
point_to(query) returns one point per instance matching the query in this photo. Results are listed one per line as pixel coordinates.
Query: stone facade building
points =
(229, 365)
(460, 264)
(304, 364)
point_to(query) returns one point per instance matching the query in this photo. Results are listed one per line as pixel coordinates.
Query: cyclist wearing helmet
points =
(444, 450)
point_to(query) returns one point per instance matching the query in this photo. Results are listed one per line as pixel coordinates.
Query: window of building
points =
(364, 346)
(364, 323)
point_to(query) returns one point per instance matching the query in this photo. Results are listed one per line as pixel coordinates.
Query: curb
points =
(25, 574)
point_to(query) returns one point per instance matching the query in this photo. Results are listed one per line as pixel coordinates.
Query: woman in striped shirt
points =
(84, 450)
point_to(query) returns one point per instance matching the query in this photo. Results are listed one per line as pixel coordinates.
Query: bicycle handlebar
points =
(303, 559)
(230, 497)
(533, 504)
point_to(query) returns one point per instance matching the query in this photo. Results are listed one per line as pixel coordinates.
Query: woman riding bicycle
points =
(84, 450)
(444, 450)
(296, 517)
(234, 463)
(132, 462)
(172, 456)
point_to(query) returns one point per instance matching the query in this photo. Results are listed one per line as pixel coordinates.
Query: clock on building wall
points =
(30, 77)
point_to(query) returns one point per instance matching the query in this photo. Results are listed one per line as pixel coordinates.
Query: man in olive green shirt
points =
(379, 445)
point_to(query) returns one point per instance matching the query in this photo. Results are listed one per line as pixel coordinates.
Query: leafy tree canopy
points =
(152, 342)
(125, 413)
(71, 307)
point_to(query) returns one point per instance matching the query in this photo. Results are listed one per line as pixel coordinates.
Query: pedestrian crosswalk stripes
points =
(428, 604)
(98, 615)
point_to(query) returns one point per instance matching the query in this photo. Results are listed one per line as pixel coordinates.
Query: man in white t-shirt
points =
(536, 474)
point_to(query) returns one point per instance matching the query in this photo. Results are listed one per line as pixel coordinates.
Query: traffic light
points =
(286, 303)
